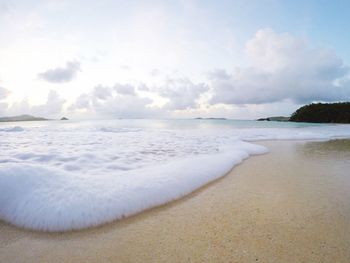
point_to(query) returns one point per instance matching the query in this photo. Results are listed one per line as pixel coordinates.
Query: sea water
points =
(64, 175)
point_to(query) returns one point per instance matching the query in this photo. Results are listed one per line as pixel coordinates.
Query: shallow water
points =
(68, 175)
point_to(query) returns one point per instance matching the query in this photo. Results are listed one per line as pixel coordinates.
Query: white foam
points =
(54, 200)
(58, 178)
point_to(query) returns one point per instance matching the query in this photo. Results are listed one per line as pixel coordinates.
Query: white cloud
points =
(155, 72)
(125, 89)
(182, 93)
(118, 101)
(218, 74)
(125, 100)
(4, 93)
(143, 87)
(61, 74)
(282, 67)
(4, 8)
(120, 106)
(52, 108)
(81, 102)
(125, 67)
(102, 92)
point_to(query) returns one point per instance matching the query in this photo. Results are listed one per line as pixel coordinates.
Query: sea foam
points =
(57, 178)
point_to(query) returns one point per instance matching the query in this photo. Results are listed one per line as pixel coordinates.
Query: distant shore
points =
(26, 117)
(286, 206)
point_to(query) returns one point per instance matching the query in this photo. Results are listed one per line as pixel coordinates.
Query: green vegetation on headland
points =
(318, 113)
(323, 113)
(26, 117)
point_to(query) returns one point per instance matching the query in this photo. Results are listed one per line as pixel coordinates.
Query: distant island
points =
(22, 118)
(200, 118)
(27, 117)
(277, 118)
(323, 113)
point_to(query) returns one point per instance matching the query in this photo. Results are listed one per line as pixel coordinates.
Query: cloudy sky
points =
(171, 59)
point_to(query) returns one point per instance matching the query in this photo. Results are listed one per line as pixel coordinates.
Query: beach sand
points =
(291, 205)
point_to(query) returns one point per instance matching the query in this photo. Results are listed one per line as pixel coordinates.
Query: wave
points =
(50, 199)
(118, 130)
(55, 179)
(12, 129)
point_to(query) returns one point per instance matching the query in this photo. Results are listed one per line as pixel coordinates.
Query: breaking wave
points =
(57, 181)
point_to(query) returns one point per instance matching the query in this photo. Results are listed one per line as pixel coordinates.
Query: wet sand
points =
(291, 205)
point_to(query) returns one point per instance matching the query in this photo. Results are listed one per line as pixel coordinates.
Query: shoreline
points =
(232, 217)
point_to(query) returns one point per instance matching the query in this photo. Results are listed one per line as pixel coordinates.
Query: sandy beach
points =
(290, 205)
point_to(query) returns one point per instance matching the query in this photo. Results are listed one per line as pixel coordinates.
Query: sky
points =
(241, 59)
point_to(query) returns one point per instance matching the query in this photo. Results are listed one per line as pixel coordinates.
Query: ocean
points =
(64, 175)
